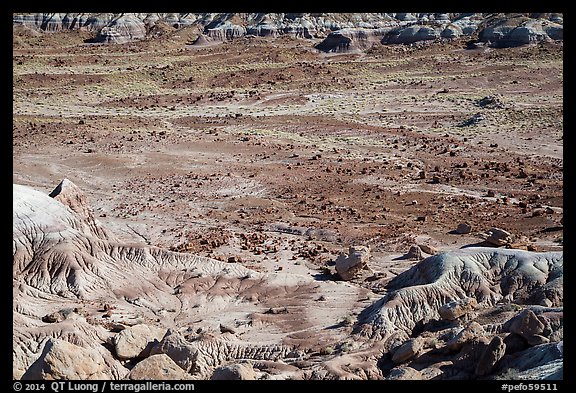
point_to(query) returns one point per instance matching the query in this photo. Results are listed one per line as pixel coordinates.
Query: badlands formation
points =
(288, 196)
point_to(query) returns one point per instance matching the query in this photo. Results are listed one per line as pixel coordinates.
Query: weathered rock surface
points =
(411, 34)
(122, 29)
(123, 294)
(351, 40)
(404, 373)
(544, 361)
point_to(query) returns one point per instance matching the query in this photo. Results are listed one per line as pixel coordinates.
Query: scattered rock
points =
(477, 118)
(491, 102)
(57, 316)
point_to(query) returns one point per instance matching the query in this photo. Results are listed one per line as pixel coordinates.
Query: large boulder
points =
(503, 31)
(499, 237)
(63, 360)
(238, 371)
(411, 34)
(407, 350)
(492, 354)
(457, 308)
(527, 325)
(487, 274)
(137, 341)
(348, 265)
(122, 29)
(157, 367)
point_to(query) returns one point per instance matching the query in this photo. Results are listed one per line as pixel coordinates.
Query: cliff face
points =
(341, 31)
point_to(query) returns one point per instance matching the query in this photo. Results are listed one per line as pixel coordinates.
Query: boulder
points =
(499, 237)
(157, 367)
(63, 360)
(514, 343)
(472, 331)
(239, 371)
(492, 354)
(414, 253)
(457, 308)
(428, 249)
(348, 265)
(463, 228)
